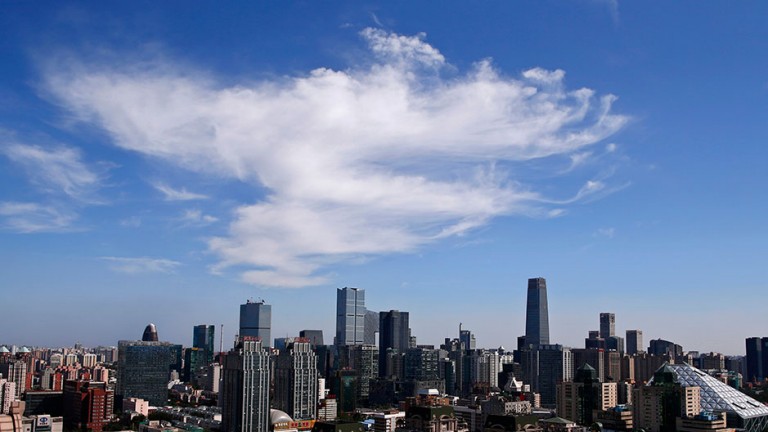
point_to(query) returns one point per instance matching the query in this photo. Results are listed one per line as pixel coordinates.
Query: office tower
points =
(371, 327)
(577, 399)
(195, 362)
(615, 343)
(634, 341)
(143, 370)
(455, 350)
(244, 392)
(315, 337)
(466, 337)
(421, 364)
(203, 337)
(350, 316)
(544, 367)
(15, 372)
(364, 361)
(757, 359)
(296, 380)
(593, 357)
(537, 313)
(150, 333)
(256, 321)
(88, 405)
(661, 347)
(394, 335)
(607, 325)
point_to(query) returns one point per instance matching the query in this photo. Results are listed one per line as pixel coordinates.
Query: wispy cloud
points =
(57, 169)
(141, 264)
(605, 232)
(195, 217)
(25, 217)
(131, 222)
(182, 194)
(374, 159)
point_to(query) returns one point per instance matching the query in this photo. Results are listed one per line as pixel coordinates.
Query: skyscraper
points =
(757, 359)
(143, 370)
(394, 335)
(203, 338)
(244, 388)
(634, 341)
(607, 325)
(537, 313)
(256, 321)
(350, 316)
(296, 380)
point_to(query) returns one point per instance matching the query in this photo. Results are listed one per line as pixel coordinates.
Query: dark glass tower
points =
(256, 321)
(394, 335)
(607, 325)
(537, 313)
(202, 338)
(757, 359)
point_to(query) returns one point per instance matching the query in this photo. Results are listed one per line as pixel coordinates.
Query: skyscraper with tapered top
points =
(537, 313)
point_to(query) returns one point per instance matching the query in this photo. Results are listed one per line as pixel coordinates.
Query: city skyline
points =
(164, 167)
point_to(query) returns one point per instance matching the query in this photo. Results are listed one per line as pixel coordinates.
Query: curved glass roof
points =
(717, 396)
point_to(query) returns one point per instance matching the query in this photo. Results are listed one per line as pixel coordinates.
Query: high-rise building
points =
(364, 361)
(244, 392)
(88, 405)
(577, 399)
(143, 370)
(537, 313)
(757, 359)
(150, 333)
(634, 341)
(661, 347)
(544, 367)
(315, 337)
(203, 337)
(371, 327)
(15, 372)
(350, 316)
(467, 338)
(256, 321)
(421, 364)
(607, 325)
(296, 380)
(394, 335)
(7, 395)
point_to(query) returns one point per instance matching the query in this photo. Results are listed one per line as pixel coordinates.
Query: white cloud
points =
(195, 217)
(605, 232)
(371, 160)
(141, 265)
(56, 169)
(182, 194)
(25, 217)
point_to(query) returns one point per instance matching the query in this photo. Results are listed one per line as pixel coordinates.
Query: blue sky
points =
(163, 162)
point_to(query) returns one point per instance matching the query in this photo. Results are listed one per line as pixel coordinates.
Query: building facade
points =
(537, 313)
(350, 316)
(256, 321)
(296, 380)
(244, 389)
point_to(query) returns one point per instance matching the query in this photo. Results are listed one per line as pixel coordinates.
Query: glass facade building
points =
(350, 316)
(143, 370)
(203, 338)
(256, 321)
(742, 412)
(537, 313)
